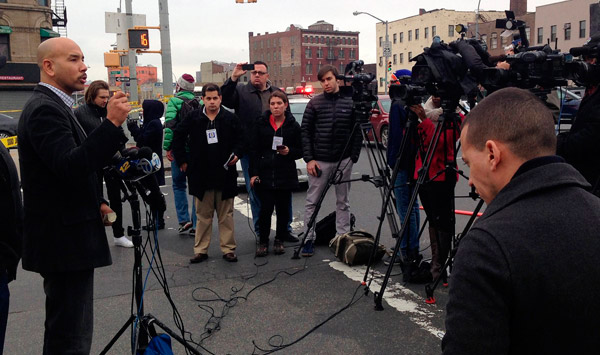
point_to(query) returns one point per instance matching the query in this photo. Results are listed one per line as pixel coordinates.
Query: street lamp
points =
(386, 47)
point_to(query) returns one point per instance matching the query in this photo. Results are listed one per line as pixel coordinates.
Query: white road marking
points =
(397, 296)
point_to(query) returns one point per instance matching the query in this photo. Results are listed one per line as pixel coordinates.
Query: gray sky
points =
(204, 30)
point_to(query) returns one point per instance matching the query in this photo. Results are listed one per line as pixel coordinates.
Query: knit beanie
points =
(153, 109)
(186, 82)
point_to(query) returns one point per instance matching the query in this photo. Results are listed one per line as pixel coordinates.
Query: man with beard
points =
(91, 115)
(64, 236)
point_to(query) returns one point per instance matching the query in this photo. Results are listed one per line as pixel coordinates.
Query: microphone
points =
(135, 163)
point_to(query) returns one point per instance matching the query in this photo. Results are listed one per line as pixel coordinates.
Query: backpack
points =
(187, 106)
(325, 228)
(355, 248)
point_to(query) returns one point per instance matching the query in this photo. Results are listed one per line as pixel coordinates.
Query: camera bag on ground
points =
(325, 228)
(355, 248)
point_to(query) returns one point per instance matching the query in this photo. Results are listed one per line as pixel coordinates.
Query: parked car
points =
(297, 106)
(571, 98)
(8, 126)
(380, 120)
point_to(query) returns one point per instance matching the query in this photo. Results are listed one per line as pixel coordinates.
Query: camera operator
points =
(64, 235)
(525, 278)
(437, 195)
(326, 130)
(580, 146)
(404, 186)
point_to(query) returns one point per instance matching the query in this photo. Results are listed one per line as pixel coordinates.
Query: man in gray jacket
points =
(525, 278)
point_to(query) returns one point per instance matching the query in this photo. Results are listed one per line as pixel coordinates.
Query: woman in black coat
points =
(276, 143)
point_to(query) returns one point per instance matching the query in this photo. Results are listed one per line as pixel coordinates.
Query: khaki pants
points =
(205, 210)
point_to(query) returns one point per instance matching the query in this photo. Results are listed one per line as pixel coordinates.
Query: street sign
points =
(387, 52)
(123, 79)
(113, 72)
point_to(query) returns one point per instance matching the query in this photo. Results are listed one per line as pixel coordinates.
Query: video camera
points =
(362, 88)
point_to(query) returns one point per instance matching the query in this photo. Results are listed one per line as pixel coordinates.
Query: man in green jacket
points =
(184, 93)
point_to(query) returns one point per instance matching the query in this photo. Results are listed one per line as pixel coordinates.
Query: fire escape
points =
(59, 17)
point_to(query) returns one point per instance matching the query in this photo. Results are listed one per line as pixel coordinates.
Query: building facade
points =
(408, 36)
(567, 23)
(296, 55)
(24, 24)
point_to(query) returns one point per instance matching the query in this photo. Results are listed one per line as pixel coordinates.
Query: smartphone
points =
(247, 66)
(280, 147)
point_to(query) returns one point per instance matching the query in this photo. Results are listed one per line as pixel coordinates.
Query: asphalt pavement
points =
(317, 304)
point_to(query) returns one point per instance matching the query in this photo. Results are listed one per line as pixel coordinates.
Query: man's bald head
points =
(61, 64)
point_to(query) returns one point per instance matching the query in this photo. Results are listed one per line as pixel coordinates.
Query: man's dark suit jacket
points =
(63, 229)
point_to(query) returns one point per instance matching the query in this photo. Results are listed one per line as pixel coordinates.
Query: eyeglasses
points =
(258, 73)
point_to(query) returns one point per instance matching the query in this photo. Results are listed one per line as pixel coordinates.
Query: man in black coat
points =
(11, 235)
(328, 136)
(64, 235)
(250, 101)
(215, 144)
(580, 146)
(526, 276)
(90, 115)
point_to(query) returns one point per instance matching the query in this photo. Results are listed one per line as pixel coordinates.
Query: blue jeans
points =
(4, 298)
(403, 192)
(180, 195)
(254, 200)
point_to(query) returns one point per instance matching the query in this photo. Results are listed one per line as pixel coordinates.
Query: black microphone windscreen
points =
(130, 153)
(577, 51)
(145, 152)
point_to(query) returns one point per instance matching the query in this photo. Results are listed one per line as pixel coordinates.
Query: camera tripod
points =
(146, 322)
(448, 120)
(361, 113)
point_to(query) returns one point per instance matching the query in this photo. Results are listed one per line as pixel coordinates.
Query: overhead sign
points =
(138, 39)
(116, 22)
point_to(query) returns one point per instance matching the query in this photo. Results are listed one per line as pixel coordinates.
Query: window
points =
(308, 68)
(401, 37)
(354, 41)
(312, 39)
(401, 58)
(394, 38)
(416, 34)
(308, 53)
(567, 31)
(540, 35)
(380, 41)
(528, 33)
(268, 42)
(292, 68)
(433, 31)
(503, 40)
(450, 30)
(342, 68)
(341, 54)
(380, 61)
(327, 41)
(484, 39)
(381, 81)
(292, 53)
(40, 2)
(494, 40)
(395, 62)
(426, 34)
(292, 40)
(320, 53)
(409, 56)
(582, 29)
(352, 54)
(552, 33)
(5, 45)
(330, 54)
(261, 44)
(305, 39)
(410, 35)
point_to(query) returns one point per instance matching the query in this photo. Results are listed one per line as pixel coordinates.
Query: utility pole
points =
(133, 84)
(165, 46)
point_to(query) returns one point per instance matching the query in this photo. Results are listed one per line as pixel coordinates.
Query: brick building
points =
(24, 24)
(296, 55)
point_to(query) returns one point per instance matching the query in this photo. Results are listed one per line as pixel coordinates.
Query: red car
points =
(379, 120)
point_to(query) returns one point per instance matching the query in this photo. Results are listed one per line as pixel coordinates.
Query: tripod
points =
(448, 120)
(361, 113)
(146, 328)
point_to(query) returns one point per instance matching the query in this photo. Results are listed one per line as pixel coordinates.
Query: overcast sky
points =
(204, 30)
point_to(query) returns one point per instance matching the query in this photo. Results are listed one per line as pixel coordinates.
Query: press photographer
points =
(580, 146)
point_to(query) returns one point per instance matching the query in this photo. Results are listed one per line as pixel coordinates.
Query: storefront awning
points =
(5, 30)
(47, 33)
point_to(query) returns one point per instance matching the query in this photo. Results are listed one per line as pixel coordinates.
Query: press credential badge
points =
(211, 136)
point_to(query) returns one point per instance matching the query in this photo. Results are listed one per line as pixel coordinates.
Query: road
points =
(257, 303)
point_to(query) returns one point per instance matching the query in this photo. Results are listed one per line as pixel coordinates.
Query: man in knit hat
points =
(184, 94)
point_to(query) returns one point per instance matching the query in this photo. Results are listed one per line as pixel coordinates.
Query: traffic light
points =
(138, 39)
(389, 67)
